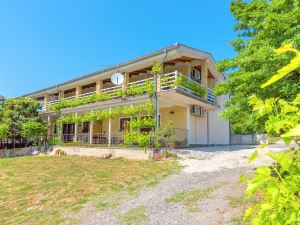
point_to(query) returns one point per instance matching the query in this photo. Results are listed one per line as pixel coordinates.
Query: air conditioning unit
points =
(198, 111)
(196, 75)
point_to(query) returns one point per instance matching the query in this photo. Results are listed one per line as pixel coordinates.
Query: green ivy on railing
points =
(64, 103)
(106, 113)
(193, 86)
(118, 93)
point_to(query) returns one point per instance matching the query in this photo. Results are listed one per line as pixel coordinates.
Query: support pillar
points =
(189, 69)
(99, 86)
(46, 99)
(126, 81)
(204, 73)
(49, 132)
(91, 134)
(77, 92)
(75, 131)
(109, 130)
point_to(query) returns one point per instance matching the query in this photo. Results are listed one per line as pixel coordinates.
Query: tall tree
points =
(20, 119)
(262, 25)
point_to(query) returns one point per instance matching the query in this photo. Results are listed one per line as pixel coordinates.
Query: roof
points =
(115, 67)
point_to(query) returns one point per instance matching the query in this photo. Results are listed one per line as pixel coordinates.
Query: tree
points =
(20, 119)
(262, 26)
(278, 183)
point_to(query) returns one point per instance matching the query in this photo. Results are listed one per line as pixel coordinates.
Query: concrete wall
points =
(16, 151)
(218, 128)
(103, 152)
(248, 139)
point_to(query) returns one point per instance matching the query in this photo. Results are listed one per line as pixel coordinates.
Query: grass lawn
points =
(39, 190)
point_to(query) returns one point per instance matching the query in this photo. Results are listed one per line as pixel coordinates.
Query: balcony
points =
(166, 82)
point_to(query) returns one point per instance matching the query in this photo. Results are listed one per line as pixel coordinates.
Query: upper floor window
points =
(196, 75)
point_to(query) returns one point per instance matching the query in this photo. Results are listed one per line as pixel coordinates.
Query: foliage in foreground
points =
(280, 185)
(280, 182)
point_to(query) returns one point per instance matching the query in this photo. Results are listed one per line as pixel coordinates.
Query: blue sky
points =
(46, 42)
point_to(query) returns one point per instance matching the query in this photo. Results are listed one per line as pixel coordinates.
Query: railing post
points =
(176, 76)
(46, 99)
(77, 92)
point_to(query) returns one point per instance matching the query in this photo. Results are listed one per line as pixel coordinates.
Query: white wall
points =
(198, 130)
(218, 128)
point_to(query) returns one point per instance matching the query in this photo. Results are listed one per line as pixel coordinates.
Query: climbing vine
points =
(186, 83)
(106, 113)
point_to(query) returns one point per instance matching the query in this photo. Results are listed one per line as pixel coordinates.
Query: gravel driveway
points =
(216, 169)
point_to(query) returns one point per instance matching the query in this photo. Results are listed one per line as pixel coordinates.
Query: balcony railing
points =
(166, 82)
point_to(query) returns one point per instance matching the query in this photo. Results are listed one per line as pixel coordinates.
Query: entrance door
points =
(68, 132)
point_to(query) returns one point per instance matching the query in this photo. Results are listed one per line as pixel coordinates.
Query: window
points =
(196, 75)
(85, 128)
(124, 124)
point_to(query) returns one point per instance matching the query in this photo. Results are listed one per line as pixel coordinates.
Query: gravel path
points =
(218, 167)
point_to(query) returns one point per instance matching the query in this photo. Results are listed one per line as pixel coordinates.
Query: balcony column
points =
(49, 132)
(99, 86)
(109, 130)
(46, 99)
(189, 68)
(159, 76)
(204, 73)
(91, 132)
(75, 138)
(126, 81)
(77, 92)
(61, 94)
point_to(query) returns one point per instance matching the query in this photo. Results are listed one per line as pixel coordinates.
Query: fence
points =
(247, 139)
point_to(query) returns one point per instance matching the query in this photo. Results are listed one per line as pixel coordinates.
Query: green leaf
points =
(242, 178)
(293, 132)
(253, 156)
(283, 159)
(293, 65)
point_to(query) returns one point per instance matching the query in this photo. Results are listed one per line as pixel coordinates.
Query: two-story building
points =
(195, 117)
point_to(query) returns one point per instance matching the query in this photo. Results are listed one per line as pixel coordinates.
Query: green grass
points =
(39, 190)
(190, 198)
(134, 216)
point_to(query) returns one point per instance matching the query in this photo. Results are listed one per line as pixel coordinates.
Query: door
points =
(68, 132)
